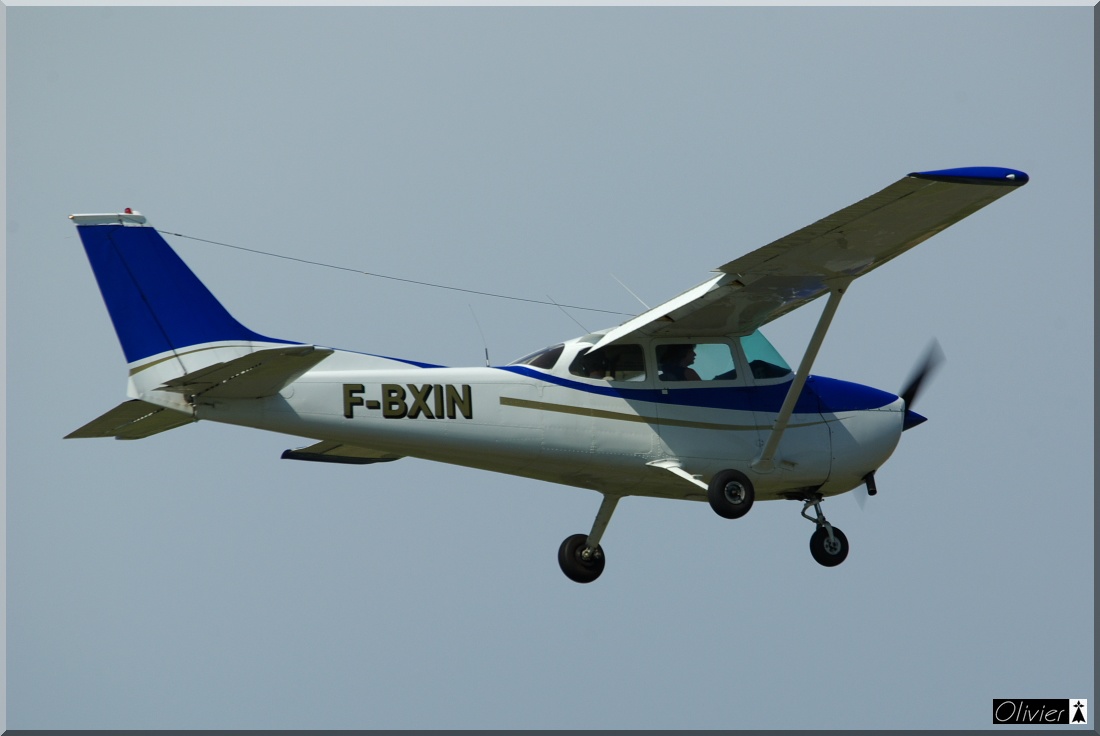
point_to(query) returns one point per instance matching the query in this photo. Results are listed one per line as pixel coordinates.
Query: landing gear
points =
(828, 545)
(730, 494)
(580, 556)
(579, 562)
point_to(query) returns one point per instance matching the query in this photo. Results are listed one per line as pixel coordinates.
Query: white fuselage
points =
(606, 435)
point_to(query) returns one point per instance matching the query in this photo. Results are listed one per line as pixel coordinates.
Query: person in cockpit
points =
(675, 362)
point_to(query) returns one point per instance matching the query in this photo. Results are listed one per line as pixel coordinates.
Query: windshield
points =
(764, 360)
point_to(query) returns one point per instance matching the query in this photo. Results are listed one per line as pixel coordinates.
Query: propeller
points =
(933, 358)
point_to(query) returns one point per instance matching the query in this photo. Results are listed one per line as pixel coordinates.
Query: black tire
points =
(731, 494)
(574, 566)
(829, 555)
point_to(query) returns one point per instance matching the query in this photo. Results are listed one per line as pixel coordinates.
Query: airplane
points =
(686, 401)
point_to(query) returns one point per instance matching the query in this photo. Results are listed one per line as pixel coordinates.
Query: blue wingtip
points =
(977, 175)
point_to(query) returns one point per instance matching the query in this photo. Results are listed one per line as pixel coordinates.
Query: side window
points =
(764, 360)
(612, 363)
(704, 361)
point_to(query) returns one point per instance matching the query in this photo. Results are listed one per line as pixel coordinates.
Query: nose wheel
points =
(828, 545)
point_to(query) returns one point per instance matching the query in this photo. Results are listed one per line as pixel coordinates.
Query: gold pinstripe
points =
(624, 417)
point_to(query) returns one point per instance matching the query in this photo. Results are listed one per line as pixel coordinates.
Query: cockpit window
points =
(545, 358)
(612, 363)
(764, 360)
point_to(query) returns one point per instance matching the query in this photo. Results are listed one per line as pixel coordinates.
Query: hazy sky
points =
(195, 580)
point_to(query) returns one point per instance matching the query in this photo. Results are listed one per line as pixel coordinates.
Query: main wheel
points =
(572, 561)
(730, 494)
(829, 553)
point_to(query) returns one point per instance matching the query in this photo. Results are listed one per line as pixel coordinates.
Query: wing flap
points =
(252, 376)
(336, 452)
(132, 420)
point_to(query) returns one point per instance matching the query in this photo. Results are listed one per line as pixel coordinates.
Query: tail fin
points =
(157, 304)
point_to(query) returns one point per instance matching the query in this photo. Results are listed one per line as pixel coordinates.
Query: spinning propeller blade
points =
(933, 357)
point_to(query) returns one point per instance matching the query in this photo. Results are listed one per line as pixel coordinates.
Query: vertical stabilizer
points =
(157, 304)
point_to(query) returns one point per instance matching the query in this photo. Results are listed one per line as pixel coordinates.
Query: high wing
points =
(765, 284)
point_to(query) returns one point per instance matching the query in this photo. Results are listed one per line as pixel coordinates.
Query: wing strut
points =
(764, 462)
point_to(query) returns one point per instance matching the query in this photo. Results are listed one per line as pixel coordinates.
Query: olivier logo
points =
(1060, 711)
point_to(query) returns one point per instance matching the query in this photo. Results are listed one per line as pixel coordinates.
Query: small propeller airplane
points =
(686, 401)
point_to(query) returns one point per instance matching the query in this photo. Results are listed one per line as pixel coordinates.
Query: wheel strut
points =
(819, 520)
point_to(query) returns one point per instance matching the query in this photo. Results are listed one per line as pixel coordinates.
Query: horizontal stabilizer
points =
(252, 376)
(335, 452)
(133, 420)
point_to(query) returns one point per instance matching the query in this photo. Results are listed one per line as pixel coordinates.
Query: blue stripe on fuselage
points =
(837, 396)
(825, 395)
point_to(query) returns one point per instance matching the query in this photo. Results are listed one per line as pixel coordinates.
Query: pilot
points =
(675, 362)
(591, 365)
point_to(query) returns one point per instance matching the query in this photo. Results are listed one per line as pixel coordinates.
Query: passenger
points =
(675, 362)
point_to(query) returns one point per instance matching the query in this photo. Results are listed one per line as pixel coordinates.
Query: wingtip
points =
(994, 175)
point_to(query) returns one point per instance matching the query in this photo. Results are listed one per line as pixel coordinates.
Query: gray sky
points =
(195, 580)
